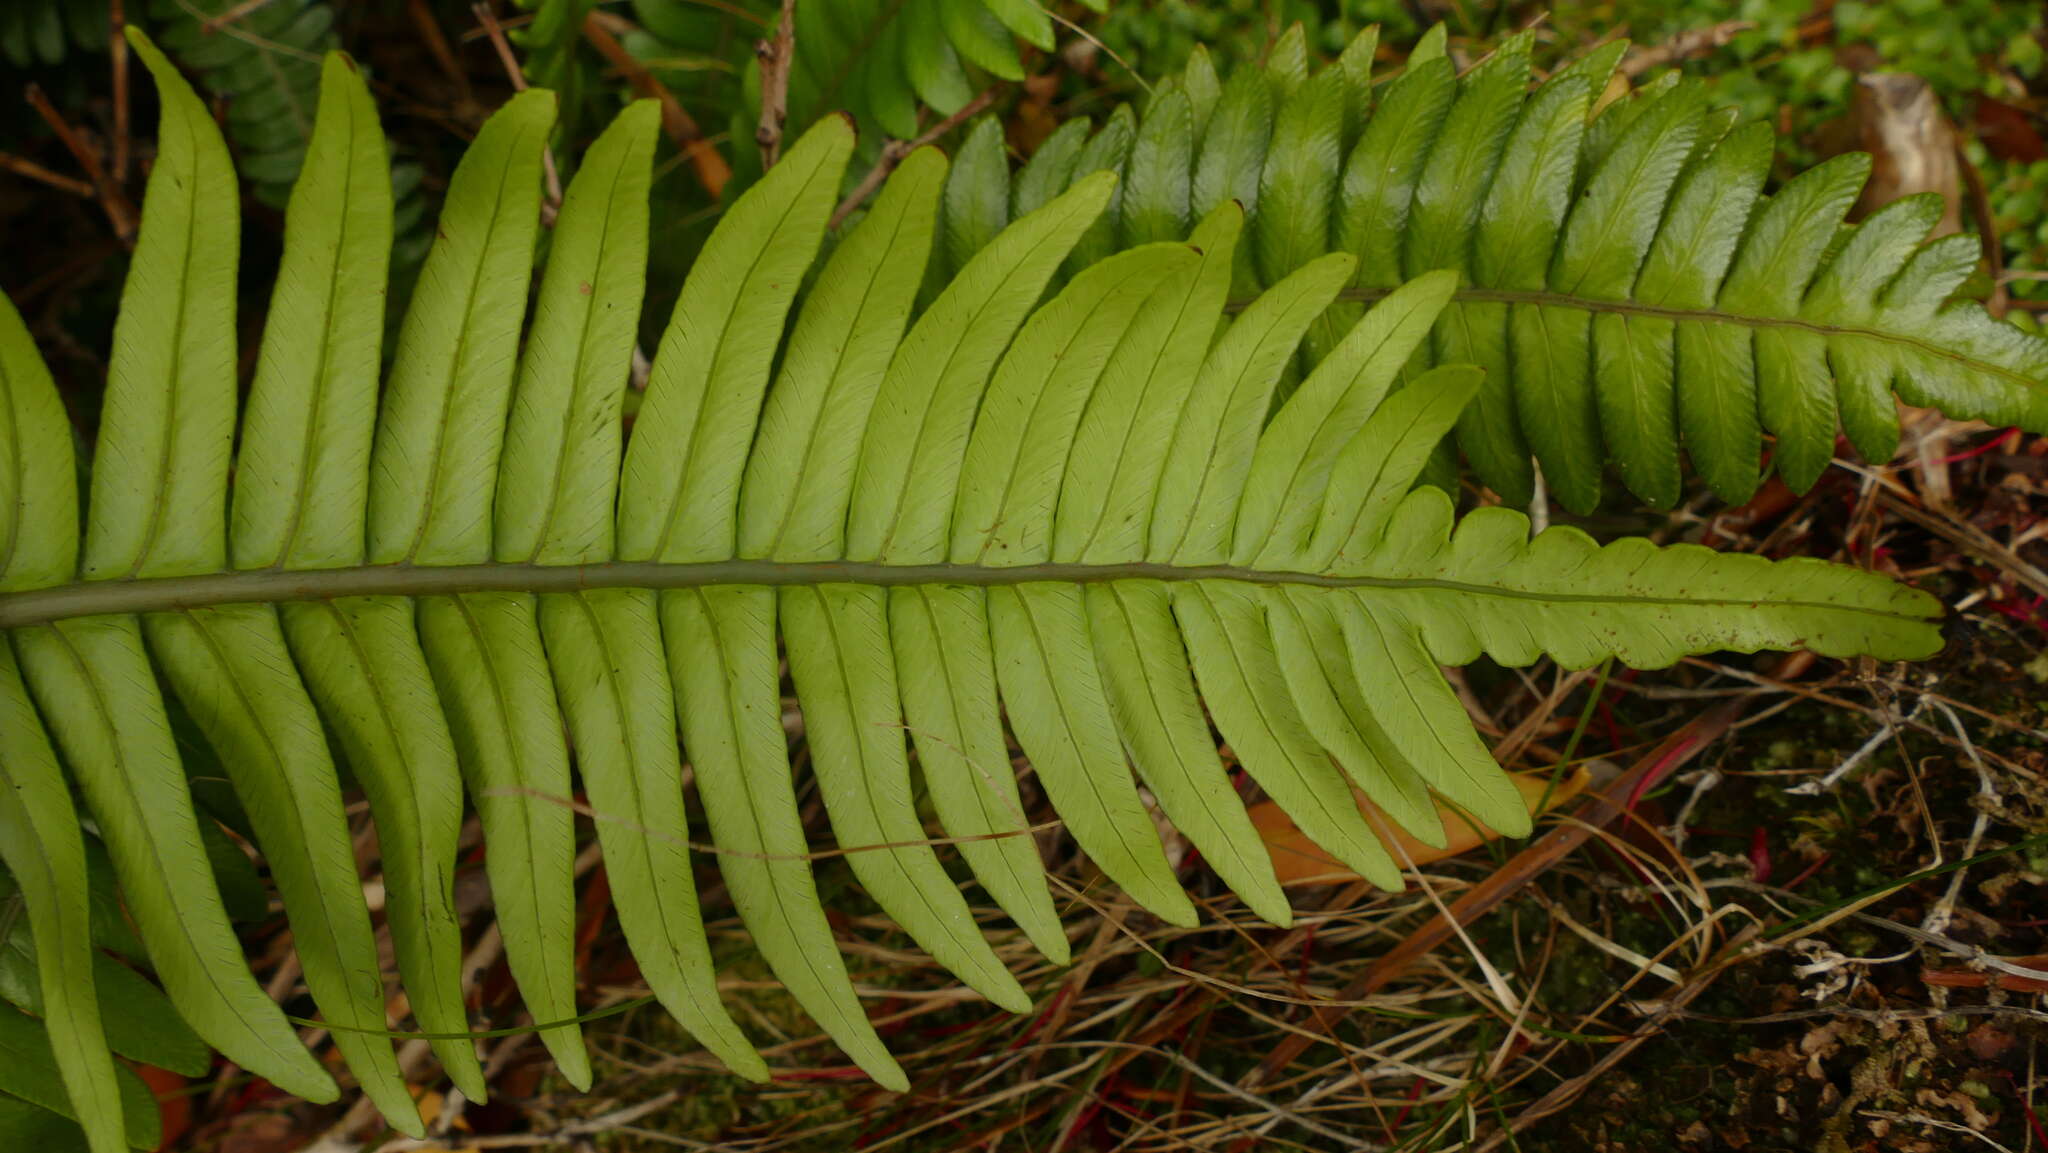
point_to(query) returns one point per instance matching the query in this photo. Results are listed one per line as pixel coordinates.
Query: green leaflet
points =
(1458, 173)
(168, 415)
(1155, 201)
(1237, 665)
(41, 847)
(887, 90)
(1106, 151)
(1517, 230)
(301, 474)
(1234, 144)
(929, 59)
(1044, 658)
(1152, 699)
(1120, 449)
(39, 483)
(1777, 261)
(1049, 170)
(1290, 468)
(1308, 644)
(1219, 423)
(1203, 87)
(1029, 21)
(1604, 242)
(977, 197)
(1379, 179)
(1877, 252)
(981, 38)
(1299, 177)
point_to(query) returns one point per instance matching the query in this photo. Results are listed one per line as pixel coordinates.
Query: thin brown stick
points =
(115, 205)
(437, 46)
(117, 17)
(22, 166)
(602, 30)
(777, 57)
(216, 23)
(894, 151)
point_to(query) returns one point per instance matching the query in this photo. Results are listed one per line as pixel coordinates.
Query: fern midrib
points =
(1708, 316)
(11, 445)
(272, 586)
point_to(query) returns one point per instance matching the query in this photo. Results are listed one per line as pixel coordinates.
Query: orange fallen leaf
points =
(174, 1105)
(1296, 858)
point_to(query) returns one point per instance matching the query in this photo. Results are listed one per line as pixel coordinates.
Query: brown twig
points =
(602, 30)
(895, 150)
(1684, 46)
(437, 46)
(115, 205)
(117, 18)
(22, 166)
(552, 206)
(223, 19)
(777, 56)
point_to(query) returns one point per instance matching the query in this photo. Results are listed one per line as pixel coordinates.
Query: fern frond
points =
(883, 60)
(46, 31)
(1626, 286)
(1069, 490)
